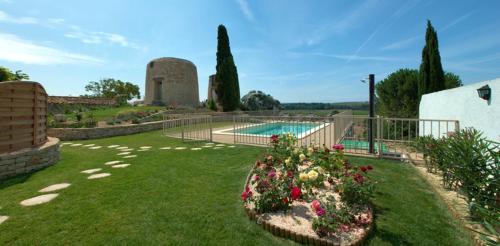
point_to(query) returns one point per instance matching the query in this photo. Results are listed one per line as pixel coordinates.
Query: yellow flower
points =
(288, 161)
(313, 175)
(296, 150)
(302, 157)
(320, 170)
(303, 177)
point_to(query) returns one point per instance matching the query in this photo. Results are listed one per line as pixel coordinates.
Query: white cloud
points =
(401, 44)
(246, 10)
(100, 37)
(4, 17)
(15, 49)
(349, 57)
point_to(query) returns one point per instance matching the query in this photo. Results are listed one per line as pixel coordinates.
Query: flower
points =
(363, 169)
(320, 170)
(270, 158)
(274, 138)
(271, 174)
(285, 200)
(296, 151)
(245, 195)
(302, 157)
(256, 178)
(315, 205)
(338, 147)
(310, 150)
(369, 167)
(288, 161)
(358, 178)
(295, 193)
(320, 211)
(303, 177)
(313, 175)
(289, 174)
(344, 227)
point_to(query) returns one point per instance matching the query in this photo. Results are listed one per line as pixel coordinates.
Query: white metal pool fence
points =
(392, 137)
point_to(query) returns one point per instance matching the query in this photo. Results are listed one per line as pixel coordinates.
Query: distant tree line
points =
(326, 106)
(112, 88)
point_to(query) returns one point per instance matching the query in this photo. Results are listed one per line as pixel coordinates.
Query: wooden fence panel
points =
(23, 115)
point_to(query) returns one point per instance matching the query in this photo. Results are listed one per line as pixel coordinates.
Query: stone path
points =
(123, 147)
(120, 166)
(231, 146)
(55, 187)
(75, 145)
(95, 147)
(146, 147)
(217, 148)
(39, 199)
(113, 146)
(130, 156)
(142, 150)
(88, 145)
(207, 146)
(166, 148)
(124, 153)
(91, 170)
(3, 218)
(112, 162)
(129, 149)
(195, 148)
(180, 148)
(99, 175)
(220, 145)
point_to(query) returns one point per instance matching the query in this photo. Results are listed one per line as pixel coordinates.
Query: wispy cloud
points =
(4, 17)
(246, 10)
(348, 57)
(457, 20)
(15, 49)
(90, 37)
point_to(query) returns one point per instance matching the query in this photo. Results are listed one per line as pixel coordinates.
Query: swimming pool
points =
(269, 129)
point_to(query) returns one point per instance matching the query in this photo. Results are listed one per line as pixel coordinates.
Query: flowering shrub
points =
(315, 175)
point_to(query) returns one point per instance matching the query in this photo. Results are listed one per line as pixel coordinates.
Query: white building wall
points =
(464, 104)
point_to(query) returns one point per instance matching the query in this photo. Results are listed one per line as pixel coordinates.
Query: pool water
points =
(362, 145)
(269, 129)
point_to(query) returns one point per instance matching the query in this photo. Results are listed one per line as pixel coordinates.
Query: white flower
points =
(302, 157)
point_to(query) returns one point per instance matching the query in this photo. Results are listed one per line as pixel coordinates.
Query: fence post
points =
(379, 143)
(457, 126)
(234, 128)
(210, 123)
(182, 129)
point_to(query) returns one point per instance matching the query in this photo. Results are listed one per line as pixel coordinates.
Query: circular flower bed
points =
(310, 195)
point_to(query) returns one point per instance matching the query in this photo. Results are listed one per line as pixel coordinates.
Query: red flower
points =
(315, 205)
(244, 195)
(358, 178)
(363, 169)
(256, 178)
(271, 174)
(320, 211)
(289, 174)
(285, 200)
(338, 147)
(327, 150)
(370, 167)
(295, 194)
(274, 138)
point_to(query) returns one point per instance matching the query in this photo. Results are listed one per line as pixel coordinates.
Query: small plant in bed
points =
(335, 194)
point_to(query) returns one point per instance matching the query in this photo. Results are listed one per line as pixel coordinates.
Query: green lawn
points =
(108, 113)
(191, 198)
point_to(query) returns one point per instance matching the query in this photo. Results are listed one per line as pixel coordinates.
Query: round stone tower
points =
(171, 82)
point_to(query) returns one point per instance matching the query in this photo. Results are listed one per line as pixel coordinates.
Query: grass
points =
(108, 113)
(191, 198)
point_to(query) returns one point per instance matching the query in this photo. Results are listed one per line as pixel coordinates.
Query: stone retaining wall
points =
(102, 132)
(29, 159)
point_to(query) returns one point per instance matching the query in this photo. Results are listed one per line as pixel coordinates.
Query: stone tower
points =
(171, 82)
(212, 94)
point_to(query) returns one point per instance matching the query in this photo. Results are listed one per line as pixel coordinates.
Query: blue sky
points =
(298, 51)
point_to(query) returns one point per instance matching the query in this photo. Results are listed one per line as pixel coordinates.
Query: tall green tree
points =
(228, 88)
(431, 77)
(111, 88)
(452, 80)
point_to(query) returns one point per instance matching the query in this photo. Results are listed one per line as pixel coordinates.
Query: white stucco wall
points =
(463, 104)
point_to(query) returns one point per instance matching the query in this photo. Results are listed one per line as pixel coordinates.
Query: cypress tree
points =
(431, 77)
(227, 89)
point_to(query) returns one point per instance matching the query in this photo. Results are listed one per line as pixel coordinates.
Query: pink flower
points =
(315, 205)
(320, 211)
(344, 228)
(256, 178)
(274, 138)
(358, 178)
(285, 200)
(271, 174)
(295, 193)
(244, 195)
(338, 147)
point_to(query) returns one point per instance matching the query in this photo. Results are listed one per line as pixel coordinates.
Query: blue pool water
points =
(269, 129)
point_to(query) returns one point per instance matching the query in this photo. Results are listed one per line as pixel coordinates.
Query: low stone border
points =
(102, 132)
(297, 237)
(29, 159)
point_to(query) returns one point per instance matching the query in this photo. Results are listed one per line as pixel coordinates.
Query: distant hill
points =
(315, 106)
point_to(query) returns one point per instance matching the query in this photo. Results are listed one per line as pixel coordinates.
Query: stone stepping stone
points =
(39, 199)
(88, 145)
(75, 145)
(166, 148)
(220, 145)
(180, 148)
(3, 218)
(120, 166)
(55, 187)
(89, 171)
(217, 148)
(126, 150)
(146, 147)
(207, 146)
(113, 146)
(123, 153)
(112, 162)
(123, 147)
(99, 175)
(130, 156)
(231, 146)
(195, 148)
(95, 147)
(66, 143)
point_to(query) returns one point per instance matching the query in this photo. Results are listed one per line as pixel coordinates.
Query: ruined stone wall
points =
(82, 100)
